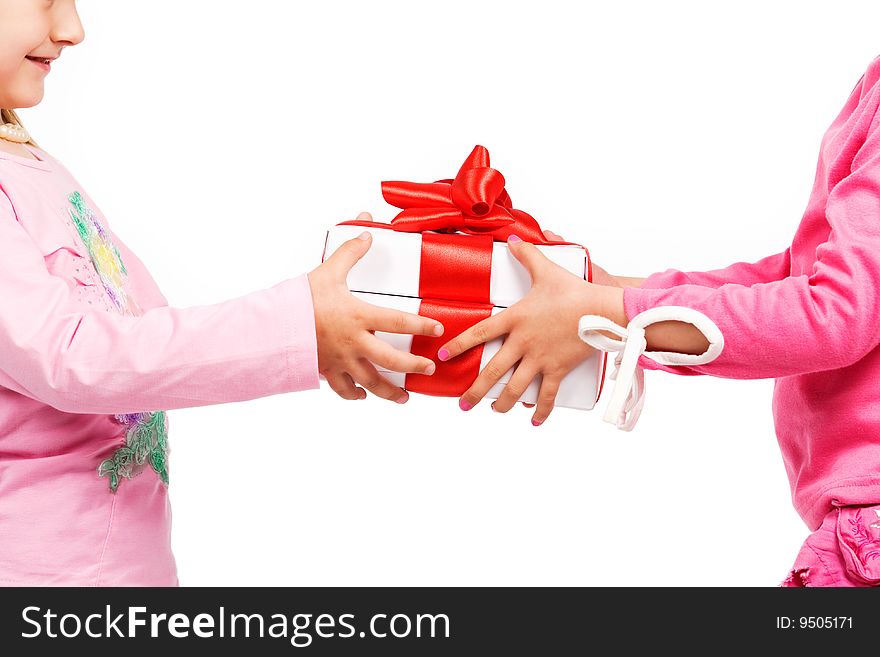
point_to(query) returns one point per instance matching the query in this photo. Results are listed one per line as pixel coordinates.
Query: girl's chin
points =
(31, 97)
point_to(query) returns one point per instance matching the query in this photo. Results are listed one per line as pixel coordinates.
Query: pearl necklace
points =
(14, 133)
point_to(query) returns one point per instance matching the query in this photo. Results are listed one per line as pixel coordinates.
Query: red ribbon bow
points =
(474, 202)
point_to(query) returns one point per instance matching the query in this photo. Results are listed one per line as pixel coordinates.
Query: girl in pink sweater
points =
(90, 350)
(806, 317)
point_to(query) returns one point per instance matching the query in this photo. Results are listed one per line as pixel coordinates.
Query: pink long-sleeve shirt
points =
(808, 317)
(86, 334)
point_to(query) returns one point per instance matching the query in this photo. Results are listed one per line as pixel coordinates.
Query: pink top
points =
(808, 317)
(90, 358)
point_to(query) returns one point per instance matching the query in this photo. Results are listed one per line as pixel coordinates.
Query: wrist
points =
(629, 281)
(672, 335)
(607, 301)
(612, 305)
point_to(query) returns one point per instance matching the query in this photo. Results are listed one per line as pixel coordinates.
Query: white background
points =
(222, 138)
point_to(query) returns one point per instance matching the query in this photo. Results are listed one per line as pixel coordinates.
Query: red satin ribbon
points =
(474, 202)
(453, 377)
(457, 267)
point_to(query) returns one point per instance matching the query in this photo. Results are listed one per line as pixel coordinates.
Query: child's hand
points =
(599, 277)
(344, 327)
(542, 335)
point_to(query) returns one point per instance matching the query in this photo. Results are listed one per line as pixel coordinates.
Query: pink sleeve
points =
(772, 268)
(807, 323)
(93, 361)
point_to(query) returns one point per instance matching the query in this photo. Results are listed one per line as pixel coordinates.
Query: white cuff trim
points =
(628, 396)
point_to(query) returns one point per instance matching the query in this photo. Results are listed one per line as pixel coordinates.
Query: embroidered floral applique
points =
(146, 438)
(146, 441)
(104, 255)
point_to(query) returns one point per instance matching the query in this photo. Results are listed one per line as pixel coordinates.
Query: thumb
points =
(527, 254)
(348, 253)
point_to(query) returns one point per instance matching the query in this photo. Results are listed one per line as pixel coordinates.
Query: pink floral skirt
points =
(844, 551)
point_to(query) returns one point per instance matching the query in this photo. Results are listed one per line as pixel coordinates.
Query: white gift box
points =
(389, 276)
(393, 264)
(579, 389)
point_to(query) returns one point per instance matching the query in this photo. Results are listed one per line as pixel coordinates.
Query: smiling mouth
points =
(40, 60)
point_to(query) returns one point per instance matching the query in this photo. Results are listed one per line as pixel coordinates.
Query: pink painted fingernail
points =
(514, 238)
(443, 354)
(438, 330)
(535, 423)
(465, 406)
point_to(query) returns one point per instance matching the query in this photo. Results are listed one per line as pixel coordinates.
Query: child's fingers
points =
(348, 253)
(497, 367)
(528, 255)
(546, 399)
(520, 379)
(365, 374)
(364, 216)
(344, 387)
(397, 321)
(550, 235)
(395, 360)
(483, 331)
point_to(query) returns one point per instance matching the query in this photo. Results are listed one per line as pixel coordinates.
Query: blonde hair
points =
(9, 116)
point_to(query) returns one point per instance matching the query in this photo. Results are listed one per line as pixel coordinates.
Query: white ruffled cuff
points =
(628, 396)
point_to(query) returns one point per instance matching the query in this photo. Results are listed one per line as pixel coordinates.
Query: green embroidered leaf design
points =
(123, 458)
(157, 460)
(79, 216)
(142, 451)
(146, 439)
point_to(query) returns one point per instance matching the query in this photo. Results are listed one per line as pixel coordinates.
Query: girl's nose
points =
(68, 29)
